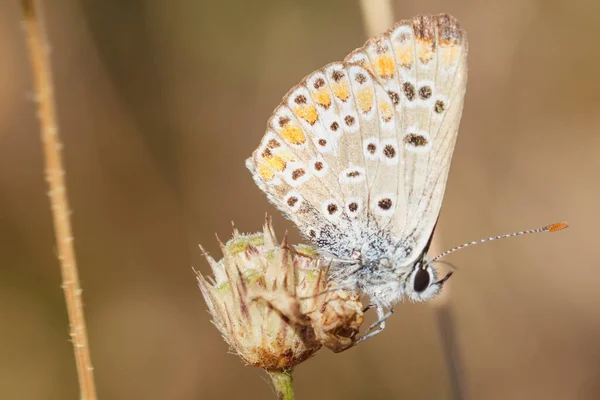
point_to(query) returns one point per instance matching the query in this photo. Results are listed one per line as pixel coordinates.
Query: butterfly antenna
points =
(550, 228)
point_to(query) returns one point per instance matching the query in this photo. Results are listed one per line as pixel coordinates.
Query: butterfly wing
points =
(310, 162)
(360, 151)
(423, 63)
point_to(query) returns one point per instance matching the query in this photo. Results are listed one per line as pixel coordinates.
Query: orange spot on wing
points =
(385, 109)
(424, 50)
(340, 90)
(275, 163)
(404, 54)
(365, 99)
(385, 66)
(323, 98)
(307, 113)
(448, 43)
(293, 134)
(265, 173)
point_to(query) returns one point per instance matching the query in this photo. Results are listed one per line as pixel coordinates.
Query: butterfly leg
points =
(369, 307)
(378, 326)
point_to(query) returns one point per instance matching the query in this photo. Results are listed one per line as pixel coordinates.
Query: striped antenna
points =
(550, 228)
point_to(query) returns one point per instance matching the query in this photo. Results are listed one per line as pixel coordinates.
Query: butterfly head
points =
(422, 283)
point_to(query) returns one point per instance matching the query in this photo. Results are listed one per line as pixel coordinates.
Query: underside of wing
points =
(358, 153)
(422, 62)
(310, 161)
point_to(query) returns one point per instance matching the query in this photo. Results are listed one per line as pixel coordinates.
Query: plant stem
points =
(282, 381)
(447, 332)
(378, 15)
(59, 205)
(452, 356)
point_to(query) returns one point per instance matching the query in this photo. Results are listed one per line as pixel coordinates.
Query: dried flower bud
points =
(339, 317)
(268, 302)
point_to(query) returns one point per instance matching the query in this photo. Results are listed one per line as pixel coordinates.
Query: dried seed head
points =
(338, 320)
(268, 303)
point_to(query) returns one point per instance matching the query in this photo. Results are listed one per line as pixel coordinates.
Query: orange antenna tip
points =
(556, 227)
(550, 228)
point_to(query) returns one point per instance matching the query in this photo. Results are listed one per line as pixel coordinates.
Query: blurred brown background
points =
(161, 102)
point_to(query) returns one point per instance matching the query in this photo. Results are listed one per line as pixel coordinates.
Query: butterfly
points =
(358, 153)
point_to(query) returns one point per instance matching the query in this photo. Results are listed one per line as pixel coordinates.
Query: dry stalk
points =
(378, 15)
(55, 175)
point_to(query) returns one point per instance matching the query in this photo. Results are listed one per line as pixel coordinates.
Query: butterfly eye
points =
(422, 280)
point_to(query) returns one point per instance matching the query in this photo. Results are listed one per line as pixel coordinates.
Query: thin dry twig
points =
(452, 356)
(447, 332)
(378, 15)
(40, 61)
